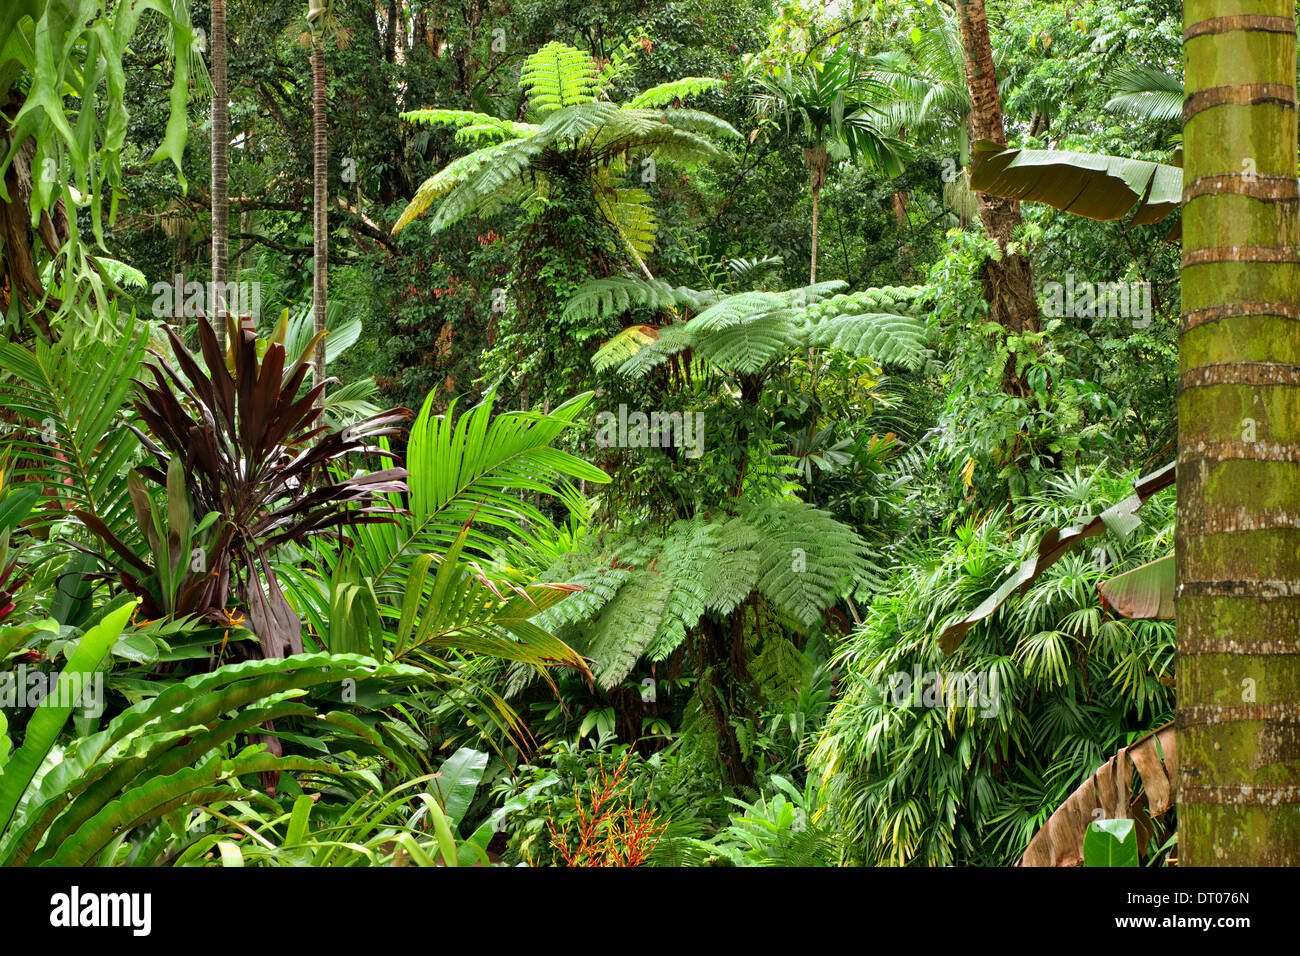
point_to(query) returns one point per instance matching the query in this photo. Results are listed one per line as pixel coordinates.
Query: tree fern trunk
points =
(714, 651)
(320, 216)
(1238, 525)
(220, 166)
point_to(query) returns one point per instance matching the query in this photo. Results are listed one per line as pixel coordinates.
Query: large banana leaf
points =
(1094, 186)
(1144, 593)
(1106, 794)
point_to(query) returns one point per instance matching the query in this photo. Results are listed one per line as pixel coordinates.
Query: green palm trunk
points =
(1238, 531)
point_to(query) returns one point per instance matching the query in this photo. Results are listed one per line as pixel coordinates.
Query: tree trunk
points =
(1009, 282)
(715, 651)
(220, 168)
(817, 160)
(320, 217)
(1238, 525)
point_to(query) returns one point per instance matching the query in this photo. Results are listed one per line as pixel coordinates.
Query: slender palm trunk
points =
(220, 167)
(320, 218)
(1238, 527)
(1008, 282)
(817, 161)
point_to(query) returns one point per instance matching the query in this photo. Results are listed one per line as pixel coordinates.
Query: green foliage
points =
(651, 594)
(968, 783)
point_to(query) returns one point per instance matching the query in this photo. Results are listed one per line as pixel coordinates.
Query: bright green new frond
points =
(666, 93)
(466, 119)
(630, 213)
(557, 76)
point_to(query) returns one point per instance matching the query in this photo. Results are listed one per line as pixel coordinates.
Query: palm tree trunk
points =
(320, 219)
(220, 166)
(817, 160)
(1008, 282)
(1237, 540)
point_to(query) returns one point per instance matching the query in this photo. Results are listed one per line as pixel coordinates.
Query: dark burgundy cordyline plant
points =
(254, 453)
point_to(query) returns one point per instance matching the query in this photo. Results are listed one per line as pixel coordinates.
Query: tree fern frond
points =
(666, 93)
(456, 173)
(603, 298)
(885, 337)
(557, 76)
(807, 559)
(731, 575)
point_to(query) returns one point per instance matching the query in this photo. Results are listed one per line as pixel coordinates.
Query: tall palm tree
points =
(317, 14)
(220, 159)
(825, 105)
(1237, 536)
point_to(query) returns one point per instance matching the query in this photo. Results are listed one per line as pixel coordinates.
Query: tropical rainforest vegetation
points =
(677, 433)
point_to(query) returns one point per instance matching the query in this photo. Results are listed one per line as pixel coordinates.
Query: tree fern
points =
(578, 135)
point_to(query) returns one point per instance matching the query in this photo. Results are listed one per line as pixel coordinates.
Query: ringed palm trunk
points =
(1009, 282)
(817, 161)
(320, 219)
(1238, 524)
(220, 165)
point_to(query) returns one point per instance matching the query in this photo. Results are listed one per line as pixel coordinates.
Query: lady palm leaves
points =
(68, 437)
(254, 450)
(747, 331)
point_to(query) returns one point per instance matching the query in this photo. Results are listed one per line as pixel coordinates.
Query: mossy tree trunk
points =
(1238, 525)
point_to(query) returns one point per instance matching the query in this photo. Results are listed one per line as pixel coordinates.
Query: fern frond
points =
(456, 173)
(603, 298)
(807, 559)
(630, 213)
(885, 337)
(557, 76)
(666, 93)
